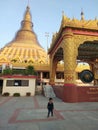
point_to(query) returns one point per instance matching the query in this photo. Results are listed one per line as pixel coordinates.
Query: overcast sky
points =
(46, 16)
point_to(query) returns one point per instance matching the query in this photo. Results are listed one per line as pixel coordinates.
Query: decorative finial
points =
(47, 36)
(28, 8)
(82, 14)
(95, 18)
(28, 5)
(63, 13)
(27, 21)
(73, 18)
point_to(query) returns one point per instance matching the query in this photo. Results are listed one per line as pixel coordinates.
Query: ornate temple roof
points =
(82, 23)
(74, 25)
(24, 48)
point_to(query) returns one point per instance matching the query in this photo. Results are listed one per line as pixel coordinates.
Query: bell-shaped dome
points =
(25, 46)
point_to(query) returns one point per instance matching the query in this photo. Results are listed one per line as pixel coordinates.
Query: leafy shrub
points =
(6, 94)
(28, 71)
(28, 94)
(16, 94)
(7, 71)
(16, 71)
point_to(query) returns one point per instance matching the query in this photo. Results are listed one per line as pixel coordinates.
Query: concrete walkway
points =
(30, 113)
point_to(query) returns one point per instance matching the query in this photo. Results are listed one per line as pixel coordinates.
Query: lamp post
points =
(47, 36)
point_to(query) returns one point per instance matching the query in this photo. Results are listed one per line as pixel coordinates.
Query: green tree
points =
(30, 70)
(7, 71)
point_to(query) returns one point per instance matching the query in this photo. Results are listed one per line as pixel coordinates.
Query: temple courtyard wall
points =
(72, 93)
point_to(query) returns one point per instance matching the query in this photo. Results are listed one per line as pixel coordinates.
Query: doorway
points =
(1, 86)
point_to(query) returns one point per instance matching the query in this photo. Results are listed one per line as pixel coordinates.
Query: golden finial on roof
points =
(27, 15)
(62, 13)
(63, 18)
(73, 18)
(82, 14)
(27, 21)
(95, 18)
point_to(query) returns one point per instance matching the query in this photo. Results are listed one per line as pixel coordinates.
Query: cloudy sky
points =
(46, 16)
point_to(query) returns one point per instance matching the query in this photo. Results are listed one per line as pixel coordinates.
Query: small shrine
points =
(76, 41)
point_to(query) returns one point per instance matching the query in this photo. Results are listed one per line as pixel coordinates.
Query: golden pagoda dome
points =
(24, 48)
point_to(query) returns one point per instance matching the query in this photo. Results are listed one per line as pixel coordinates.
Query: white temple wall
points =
(19, 89)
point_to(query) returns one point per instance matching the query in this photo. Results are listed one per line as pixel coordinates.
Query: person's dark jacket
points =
(50, 106)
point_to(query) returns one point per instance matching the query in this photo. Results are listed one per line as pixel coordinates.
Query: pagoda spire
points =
(27, 21)
(26, 31)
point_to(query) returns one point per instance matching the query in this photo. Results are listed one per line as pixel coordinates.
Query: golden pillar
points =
(53, 67)
(95, 72)
(69, 58)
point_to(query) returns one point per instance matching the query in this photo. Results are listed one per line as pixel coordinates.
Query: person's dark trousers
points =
(50, 111)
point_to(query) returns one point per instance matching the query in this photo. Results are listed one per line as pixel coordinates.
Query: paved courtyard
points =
(30, 113)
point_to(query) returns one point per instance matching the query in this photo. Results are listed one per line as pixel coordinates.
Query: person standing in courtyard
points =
(50, 107)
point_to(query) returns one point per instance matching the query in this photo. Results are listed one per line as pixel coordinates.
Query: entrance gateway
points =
(77, 40)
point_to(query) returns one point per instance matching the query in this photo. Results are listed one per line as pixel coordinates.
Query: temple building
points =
(76, 41)
(25, 50)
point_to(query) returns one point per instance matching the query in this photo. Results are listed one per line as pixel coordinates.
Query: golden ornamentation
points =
(91, 24)
(53, 67)
(68, 78)
(25, 47)
(74, 23)
(71, 35)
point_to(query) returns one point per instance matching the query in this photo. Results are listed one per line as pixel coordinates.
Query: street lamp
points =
(47, 36)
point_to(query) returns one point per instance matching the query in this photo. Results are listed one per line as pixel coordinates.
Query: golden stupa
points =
(24, 49)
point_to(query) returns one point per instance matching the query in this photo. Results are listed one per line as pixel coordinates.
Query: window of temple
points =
(59, 75)
(38, 83)
(17, 83)
(39, 74)
(46, 75)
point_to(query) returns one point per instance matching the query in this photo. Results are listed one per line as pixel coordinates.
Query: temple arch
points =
(88, 52)
(54, 60)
